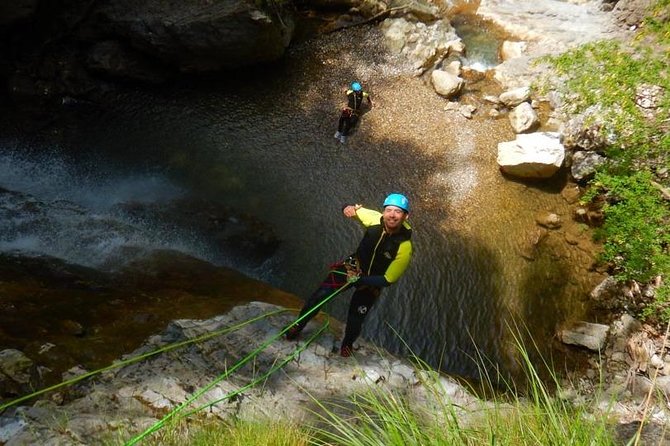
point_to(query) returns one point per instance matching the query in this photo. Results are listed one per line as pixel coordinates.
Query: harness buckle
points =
(353, 269)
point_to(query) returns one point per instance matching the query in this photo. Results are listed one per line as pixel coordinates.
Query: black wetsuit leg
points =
(343, 125)
(361, 304)
(333, 282)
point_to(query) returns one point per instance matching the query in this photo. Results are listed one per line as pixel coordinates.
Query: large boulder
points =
(531, 155)
(16, 11)
(193, 36)
(424, 45)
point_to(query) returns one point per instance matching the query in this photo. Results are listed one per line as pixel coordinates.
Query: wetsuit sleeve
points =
(375, 281)
(368, 217)
(400, 263)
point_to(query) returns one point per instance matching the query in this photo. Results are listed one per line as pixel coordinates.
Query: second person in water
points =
(350, 114)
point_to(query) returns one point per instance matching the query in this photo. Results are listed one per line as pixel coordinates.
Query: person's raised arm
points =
(367, 217)
(350, 210)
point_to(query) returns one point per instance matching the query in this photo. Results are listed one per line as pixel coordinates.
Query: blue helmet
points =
(398, 200)
(356, 86)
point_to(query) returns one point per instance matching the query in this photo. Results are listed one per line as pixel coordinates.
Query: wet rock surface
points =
(60, 315)
(119, 404)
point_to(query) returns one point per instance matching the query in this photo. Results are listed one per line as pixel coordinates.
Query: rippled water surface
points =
(262, 142)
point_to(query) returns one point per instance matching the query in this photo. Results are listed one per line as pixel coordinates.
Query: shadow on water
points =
(453, 321)
(553, 185)
(274, 159)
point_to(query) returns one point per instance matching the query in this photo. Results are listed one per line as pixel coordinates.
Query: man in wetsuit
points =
(381, 258)
(350, 113)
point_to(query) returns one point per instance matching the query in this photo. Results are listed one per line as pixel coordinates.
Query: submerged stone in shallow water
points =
(586, 334)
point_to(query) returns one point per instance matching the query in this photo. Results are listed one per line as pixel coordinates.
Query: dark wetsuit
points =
(382, 259)
(350, 113)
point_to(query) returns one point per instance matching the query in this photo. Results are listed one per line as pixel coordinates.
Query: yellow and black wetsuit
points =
(382, 259)
(355, 99)
(349, 115)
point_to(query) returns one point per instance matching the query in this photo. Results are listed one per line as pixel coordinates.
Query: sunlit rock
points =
(510, 49)
(446, 84)
(512, 98)
(531, 155)
(523, 118)
(423, 45)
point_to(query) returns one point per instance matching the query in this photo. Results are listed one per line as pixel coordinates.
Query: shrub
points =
(636, 228)
(604, 74)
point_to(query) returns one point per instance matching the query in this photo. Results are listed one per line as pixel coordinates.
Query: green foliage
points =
(603, 75)
(659, 309)
(607, 77)
(636, 230)
(658, 22)
(237, 433)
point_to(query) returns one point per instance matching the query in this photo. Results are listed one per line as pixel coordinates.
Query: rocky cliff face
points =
(188, 36)
(123, 402)
(56, 49)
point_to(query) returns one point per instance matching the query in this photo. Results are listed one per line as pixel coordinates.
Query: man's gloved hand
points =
(352, 276)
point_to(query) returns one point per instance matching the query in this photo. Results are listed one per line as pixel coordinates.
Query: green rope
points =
(139, 358)
(274, 368)
(160, 423)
